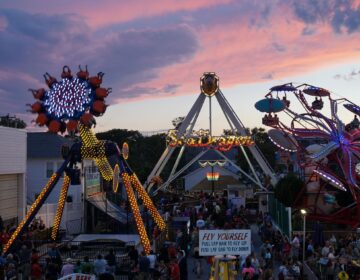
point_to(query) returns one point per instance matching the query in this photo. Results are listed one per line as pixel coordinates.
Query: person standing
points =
(183, 265)
(248, 270)
(68, 268)
(86, 266)
(256, 265)
(111, 261)
(24, 257)
(134, 255)
(174, 269)
(295, 246)
(100, 265)
(152, 259)
(51, 270)
(11, 272)
(268, 258)
(36, 271)
(144, 266)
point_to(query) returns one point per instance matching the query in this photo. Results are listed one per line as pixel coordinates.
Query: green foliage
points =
(262, 141)
(287, 189)
(9, 121)
(144, 151)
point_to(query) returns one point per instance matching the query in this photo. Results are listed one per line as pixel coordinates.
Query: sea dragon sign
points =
(202, 138)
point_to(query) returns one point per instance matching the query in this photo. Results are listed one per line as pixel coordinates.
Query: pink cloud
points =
(240, 54)
(100, 13)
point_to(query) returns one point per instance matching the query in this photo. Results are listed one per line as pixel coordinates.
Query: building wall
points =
(73, 213)
(12, 150)
(12, 173)
(37, 179)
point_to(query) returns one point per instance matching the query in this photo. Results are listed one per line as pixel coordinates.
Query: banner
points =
(92, 180)
(225, 242)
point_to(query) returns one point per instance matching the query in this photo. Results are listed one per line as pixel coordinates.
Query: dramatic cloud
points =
(157, 49)
(134, 57)
(36, 43)
(344, 16)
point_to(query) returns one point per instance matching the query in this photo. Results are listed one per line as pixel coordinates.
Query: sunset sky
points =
(154, 52)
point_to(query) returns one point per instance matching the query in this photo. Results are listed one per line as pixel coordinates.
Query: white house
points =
(12, 174)
(43, 159)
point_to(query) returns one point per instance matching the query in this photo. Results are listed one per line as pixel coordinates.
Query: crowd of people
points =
(219, 212)
(273, 255)
(334, 258)
(23, 258)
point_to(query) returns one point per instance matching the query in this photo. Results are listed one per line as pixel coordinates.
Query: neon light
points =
(213, 176)
(68, 98)
(281, 147)
(217, 142)
(147, 202)
(60, 207)
(332, 180)
(31, 211)
(212, 163)
(136, 213)
(94, 149)
(125, 150)
(209, 84)
(116, 178)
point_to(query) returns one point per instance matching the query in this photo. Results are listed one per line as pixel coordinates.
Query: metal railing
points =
(307, 271)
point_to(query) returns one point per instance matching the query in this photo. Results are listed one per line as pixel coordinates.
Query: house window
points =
(49, 169)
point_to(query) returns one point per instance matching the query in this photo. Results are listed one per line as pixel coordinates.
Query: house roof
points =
(45, 145)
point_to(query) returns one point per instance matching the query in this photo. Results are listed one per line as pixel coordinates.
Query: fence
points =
(71, 220)
(280, 215)
(308, 273)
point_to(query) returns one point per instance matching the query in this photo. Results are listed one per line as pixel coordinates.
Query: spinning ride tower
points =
(70, 105)
(327, 149)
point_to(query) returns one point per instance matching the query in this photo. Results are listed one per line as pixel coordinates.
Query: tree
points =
(288, 188)
(9, 121)
(144, 151)
(262, 141)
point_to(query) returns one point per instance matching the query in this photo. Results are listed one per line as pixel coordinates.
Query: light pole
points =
(303, 213)
(212, 176)
(212, 180)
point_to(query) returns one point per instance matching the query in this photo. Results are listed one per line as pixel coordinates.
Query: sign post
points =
(225, 242)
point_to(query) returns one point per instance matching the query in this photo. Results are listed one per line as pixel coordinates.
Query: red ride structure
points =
(327, 149)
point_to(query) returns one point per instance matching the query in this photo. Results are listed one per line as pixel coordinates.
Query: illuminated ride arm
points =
(60, 207)
(147, 200)
(94, 149)
(136, 212)
(35, 207)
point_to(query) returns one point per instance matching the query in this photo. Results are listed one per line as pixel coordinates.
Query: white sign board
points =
(225, 242)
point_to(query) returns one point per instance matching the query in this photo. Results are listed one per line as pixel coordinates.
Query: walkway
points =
(256, 241)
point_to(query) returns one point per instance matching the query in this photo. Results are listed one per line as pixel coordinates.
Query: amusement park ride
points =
(71, 104)
(185, 137)
(327, 150)
(330, 166)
